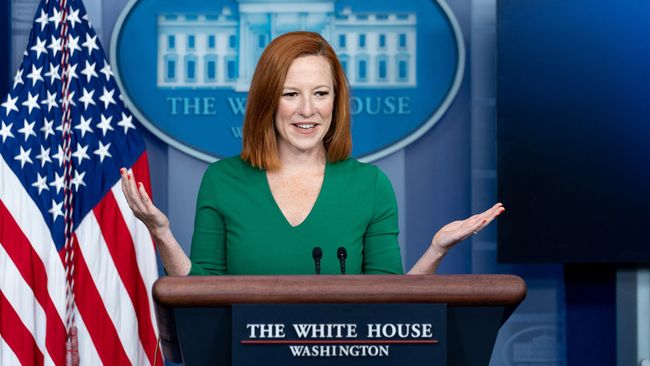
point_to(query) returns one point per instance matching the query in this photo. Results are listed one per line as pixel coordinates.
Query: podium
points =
(194, 313)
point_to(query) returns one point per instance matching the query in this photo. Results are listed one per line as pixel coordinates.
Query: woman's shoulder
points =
(230, 174)
(230, 165)
(356, 168)
(353, 173)
(359, 179)
(229, 171)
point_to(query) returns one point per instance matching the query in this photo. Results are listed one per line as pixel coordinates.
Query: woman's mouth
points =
(305, 126)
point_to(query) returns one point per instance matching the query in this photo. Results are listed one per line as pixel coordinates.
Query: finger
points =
(138, 205)
(483, 219)
(144, 196)
(154, 215)
(126, 180)
(497, 208)
(125, 188)
(492, 212)
(491, 218)
(496, 211)
(471, 222)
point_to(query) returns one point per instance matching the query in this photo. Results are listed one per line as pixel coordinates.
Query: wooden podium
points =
(193, 313)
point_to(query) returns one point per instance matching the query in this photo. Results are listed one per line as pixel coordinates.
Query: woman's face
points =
(304, 114)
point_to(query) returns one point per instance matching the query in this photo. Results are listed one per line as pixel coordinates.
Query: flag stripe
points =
(7, 355)
(94, 314)
(33, 272)
(17, 336)
(21, 298)
(20, 295)
(30, 220)
(121, 247)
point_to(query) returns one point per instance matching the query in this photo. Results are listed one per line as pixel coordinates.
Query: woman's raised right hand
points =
(142, 206)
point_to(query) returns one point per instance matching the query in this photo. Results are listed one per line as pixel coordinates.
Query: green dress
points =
(239, 229)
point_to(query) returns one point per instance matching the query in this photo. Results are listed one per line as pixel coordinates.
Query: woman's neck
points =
(292, 160)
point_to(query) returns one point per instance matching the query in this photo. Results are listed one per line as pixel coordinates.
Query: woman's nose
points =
(306, 106)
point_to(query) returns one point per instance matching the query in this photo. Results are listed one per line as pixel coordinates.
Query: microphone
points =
(342, 254)
(317, 254)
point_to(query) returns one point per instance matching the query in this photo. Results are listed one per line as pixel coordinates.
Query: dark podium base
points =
(194, 314)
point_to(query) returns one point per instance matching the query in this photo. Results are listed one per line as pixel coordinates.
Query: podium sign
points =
(344, 334)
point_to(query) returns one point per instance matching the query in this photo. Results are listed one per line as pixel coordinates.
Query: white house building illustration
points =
(203, 51)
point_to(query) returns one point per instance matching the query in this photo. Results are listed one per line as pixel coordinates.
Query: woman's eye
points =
(322, 93)
(289, 94)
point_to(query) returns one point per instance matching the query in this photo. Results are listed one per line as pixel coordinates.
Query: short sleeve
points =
(208, 254)
(381, 253)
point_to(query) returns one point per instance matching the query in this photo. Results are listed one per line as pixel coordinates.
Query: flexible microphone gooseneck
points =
(317, 254)
(342, 254)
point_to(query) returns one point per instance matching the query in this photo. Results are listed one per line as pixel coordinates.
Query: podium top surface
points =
(459, 290)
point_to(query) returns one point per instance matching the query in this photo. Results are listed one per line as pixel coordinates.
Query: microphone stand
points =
(317, 254)
(342, 254)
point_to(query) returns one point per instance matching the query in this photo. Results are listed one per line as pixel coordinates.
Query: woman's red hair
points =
(260, 143)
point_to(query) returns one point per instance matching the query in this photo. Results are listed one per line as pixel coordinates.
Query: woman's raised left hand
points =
(452, 234)
(457, 231)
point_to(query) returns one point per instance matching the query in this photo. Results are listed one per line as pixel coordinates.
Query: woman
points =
(293, 187)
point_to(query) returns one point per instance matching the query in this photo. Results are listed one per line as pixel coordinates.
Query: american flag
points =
(64, 135)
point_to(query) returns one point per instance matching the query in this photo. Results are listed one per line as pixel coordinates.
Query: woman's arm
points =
(452, 234)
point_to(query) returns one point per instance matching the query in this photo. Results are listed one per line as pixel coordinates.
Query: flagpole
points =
(5, 44)
(72, 349)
